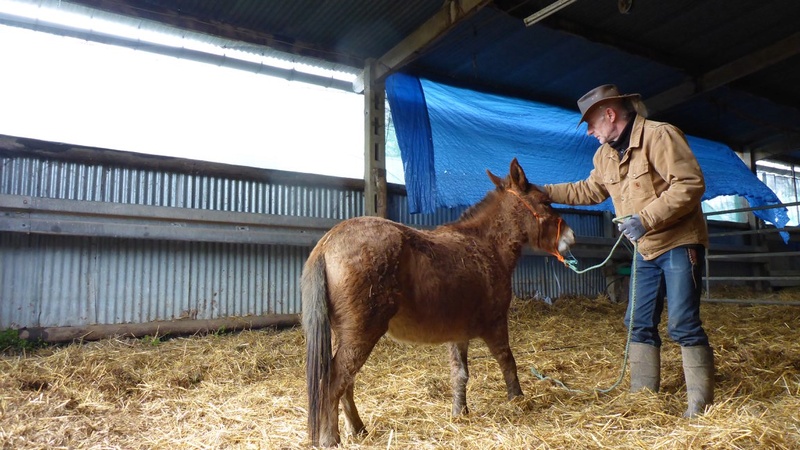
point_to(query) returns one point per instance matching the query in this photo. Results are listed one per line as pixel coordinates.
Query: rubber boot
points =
(645, 367)
(698, 368)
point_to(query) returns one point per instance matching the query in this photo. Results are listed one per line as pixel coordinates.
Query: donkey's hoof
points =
(460, 411)
(329, 442)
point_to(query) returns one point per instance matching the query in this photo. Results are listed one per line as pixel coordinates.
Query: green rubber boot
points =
(698, 368)
(645, 362)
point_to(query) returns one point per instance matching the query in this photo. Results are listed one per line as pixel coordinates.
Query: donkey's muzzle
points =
(566, 241)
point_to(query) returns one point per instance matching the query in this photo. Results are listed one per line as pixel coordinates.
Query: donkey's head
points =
(545, 228)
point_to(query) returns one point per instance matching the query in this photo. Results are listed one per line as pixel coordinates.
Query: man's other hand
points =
(632, 228)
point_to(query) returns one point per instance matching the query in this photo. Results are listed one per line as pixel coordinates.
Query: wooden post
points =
(756, 240)
(374, 143)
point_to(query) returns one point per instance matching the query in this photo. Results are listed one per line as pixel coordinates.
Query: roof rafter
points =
(406, 50)
(725, 74)
(782, 145)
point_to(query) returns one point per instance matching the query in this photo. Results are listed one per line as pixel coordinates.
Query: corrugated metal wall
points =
(55, 280)
(68, 281)
(38, 177)
(544, 276)
(397, 210)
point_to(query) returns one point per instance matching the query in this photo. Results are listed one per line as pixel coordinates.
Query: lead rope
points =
(572, 264)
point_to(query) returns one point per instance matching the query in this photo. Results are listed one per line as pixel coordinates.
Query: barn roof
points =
(725, 70)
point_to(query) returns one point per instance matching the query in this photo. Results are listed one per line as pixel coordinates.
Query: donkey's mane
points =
(492, 198)
(478, 208)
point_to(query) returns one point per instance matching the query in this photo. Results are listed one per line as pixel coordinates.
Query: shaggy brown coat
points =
(368, 276)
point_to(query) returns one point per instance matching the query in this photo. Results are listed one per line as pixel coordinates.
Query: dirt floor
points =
(247, 390)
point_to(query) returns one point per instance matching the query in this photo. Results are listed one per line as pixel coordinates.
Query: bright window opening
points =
(68, 90)
(784, 180)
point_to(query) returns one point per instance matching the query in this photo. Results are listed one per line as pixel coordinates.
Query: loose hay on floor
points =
(247, 390)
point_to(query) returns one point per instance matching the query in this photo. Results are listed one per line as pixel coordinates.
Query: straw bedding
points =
(247, 391)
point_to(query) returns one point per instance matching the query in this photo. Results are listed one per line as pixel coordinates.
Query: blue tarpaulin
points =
(449, 136)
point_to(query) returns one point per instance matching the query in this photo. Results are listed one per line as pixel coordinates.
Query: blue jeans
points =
(677, 277)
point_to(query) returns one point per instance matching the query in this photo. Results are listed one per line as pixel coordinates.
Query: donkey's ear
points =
(495, 179)
(518, 175)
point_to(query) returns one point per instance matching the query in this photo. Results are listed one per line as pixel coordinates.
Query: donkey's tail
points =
(317, 328)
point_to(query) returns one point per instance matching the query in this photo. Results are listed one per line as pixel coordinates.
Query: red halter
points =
(535, 214)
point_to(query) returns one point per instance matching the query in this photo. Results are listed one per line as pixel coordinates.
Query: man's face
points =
(601, 124)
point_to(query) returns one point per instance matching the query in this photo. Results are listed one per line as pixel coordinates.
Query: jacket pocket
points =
(612, 183)
(641, 179)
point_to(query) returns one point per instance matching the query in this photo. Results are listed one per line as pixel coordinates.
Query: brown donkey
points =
(368, 276)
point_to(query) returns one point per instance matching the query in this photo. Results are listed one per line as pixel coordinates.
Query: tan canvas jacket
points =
(658, 178)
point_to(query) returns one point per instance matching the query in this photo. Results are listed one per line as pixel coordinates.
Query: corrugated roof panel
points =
(352, 29)
(148, 23)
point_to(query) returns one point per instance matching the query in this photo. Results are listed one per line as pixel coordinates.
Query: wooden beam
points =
(725, 74)
(52, 216)
(778, 146)
(159, 329)
(453, 12)
(375, 189)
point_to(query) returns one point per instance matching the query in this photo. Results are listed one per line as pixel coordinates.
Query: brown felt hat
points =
(597, 95)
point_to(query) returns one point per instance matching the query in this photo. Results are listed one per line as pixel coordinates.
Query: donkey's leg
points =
(497, 341)
(459, 375)
(353, 351)
(351, 418)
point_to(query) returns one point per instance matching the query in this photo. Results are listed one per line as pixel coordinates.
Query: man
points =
(655, 182)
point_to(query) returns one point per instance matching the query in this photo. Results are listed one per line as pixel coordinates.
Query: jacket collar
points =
(637, 134)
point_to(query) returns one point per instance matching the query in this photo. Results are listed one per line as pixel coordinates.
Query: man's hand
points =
(632, 228)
